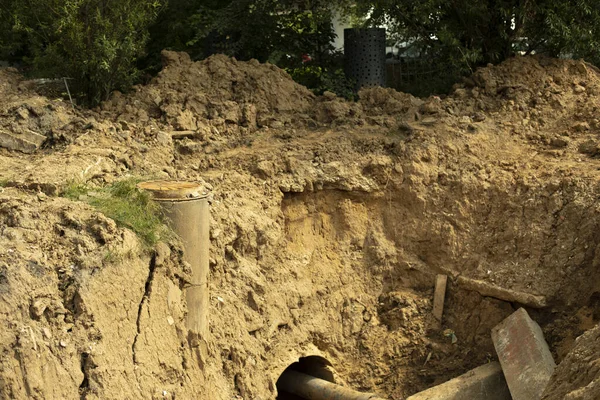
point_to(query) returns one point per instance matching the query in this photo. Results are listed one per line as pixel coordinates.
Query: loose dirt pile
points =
(223, 97)
(327, 230)
(22, 111)
(219, 94)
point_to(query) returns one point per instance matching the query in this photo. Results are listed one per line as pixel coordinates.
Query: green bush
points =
(321, 79)
(94, 42)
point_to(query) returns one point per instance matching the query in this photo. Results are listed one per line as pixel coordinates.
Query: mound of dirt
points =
(375, 107)
(23, 111)
(221, 96)
(547, 101)
(219, 92)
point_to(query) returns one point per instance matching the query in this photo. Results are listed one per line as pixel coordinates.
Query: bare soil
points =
(329, 221)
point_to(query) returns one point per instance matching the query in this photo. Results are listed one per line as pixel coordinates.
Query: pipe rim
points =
(173, 190)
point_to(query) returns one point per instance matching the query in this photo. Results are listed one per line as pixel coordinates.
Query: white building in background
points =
(339, 24)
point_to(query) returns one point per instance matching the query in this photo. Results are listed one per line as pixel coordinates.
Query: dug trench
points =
(344, 271)
(371, 262)
(325, 242)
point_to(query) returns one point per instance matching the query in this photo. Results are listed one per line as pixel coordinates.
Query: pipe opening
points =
(315, 366)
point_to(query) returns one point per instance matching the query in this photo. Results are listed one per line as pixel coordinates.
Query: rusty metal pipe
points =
(311, 388)
(185, 204)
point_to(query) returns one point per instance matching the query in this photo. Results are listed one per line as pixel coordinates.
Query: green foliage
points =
(126, 204)
(279, 31)
(10, 42)
(569, 28)
(95, 42)
(465, 34)
(103, 44)
(329, 76)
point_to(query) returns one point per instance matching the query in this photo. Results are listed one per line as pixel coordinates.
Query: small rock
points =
(266, 167)
(589, 147)
(170, 320)
(276, 124)
(578, 89)
(581, 126)
(329, 95)
(164, 138)
(163, 253)
(431, 106)
(23, 113)
(38, 307)
(62, 343)
(47, 333)
(42, 196)
(558, 142)
(460, 93)
(479, 117)
(429, 121)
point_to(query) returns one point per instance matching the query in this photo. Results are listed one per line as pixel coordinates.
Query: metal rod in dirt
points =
(311, 388)
(68, 92)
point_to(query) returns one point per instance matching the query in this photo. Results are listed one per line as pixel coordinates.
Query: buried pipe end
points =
(312, 378)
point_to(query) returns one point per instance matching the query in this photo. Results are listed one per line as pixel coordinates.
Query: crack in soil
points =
(145, 298)
(85, 383)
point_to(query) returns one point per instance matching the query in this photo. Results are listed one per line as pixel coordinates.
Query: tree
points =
(11, 43)
(95, 42)
(470, 33)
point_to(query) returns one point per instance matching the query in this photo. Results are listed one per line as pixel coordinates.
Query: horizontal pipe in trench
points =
(311, 388)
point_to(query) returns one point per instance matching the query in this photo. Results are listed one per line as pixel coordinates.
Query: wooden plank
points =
(491, 290)
(482, 383)
(438, 297)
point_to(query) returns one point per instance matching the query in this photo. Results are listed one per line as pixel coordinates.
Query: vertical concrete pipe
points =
(185, 204)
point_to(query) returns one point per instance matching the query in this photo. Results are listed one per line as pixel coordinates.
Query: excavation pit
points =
(323, 241)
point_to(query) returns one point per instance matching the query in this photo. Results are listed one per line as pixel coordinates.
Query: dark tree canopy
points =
(105, 44)
(472, 33)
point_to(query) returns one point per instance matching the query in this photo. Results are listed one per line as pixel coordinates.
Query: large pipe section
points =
(311, 388)
(185, 204)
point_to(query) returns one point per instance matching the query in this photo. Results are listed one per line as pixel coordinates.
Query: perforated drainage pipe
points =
(186, 206)
(311, 388)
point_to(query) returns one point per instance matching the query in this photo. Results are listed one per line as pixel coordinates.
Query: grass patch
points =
(3, 182)
(126, 205)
